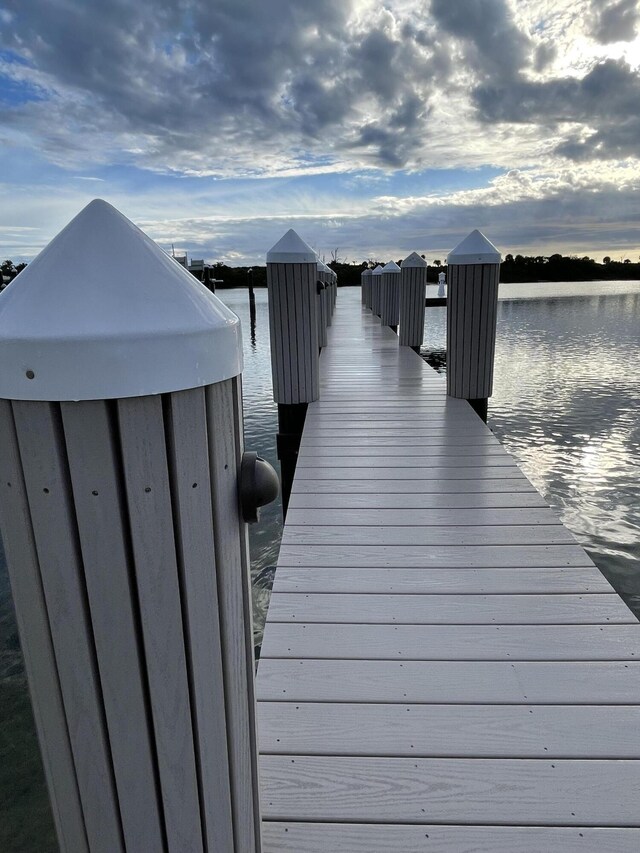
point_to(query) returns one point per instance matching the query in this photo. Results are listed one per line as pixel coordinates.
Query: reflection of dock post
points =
(474, 272)
(413, 284)
(120, 461)
(292, 274)
(252, 308)
(390, 301)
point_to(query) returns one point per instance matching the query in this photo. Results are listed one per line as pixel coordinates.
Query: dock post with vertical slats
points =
(474, 273)
(365, 279)
(376, 290)
(390, 302)
(322, 286)
(413, 283)
(292, 274)
(121, 417)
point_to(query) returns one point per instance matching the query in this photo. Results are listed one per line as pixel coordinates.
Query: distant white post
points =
(121, 423)
(365, 279)
(474, 273)
(390, 307)
(441, 283)
(292, 274)
(413, 284)
(376, 290)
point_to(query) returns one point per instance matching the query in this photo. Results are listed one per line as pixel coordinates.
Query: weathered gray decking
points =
(443, 667)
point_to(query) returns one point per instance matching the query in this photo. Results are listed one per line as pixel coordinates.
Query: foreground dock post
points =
(413, 284)
(474, 273)
(292, 272)
(121, 419)
(390, 300)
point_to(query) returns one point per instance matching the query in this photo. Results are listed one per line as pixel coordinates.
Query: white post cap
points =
(377, 270)
(474, 249)
(366, 272)
(414, 260)
(103, 312)
(291, 249)
(323, 267)
(392, 266)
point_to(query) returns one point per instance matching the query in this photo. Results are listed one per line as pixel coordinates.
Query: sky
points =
(374, 129)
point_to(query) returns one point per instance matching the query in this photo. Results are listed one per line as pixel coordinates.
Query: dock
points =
(443, 667)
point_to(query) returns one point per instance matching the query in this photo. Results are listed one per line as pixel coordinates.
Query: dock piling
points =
(365, 279)
(474, 273)
(390, 298)
(376, 290)
(413, 283)
(127, 554)
(292, 275)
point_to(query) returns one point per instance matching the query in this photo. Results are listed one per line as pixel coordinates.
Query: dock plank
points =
(564, 792)
(454, 731)
(290, 837)
(496, 682)
(336, 641)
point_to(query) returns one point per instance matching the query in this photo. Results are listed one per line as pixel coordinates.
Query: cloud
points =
(494, 44)
(605, 103)
(234, 86)
(614, 20)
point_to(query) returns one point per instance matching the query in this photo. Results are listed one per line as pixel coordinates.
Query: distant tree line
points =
(9, 271)
(514, 268)
(523, 268)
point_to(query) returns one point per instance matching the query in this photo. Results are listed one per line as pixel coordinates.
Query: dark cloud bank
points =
(186, 84)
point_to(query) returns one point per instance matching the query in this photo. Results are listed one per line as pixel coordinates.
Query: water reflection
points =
(566, 403)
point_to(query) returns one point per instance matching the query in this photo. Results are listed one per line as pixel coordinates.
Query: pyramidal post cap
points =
(291, 249)
(323, 267)
(366, 272)
(413, 260)
(102, 312)
(392, 266)
(377, 270)
(474, 249)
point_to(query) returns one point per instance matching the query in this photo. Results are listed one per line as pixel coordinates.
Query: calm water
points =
(566, 403)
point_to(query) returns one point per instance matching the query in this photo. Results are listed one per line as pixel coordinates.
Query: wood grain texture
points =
(400, 609)
(367, 641)
(456, 731)
(42, 450)
(94, 466)
(429, 535)
(36, 643)
(188, 453)
(438, 556)
(224, 424)
(419, 581)
(289, 837)
(413, 504)
(413, 790)
(499, 682)
(146, 474)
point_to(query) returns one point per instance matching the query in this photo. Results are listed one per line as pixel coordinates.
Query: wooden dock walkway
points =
(443, 667)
